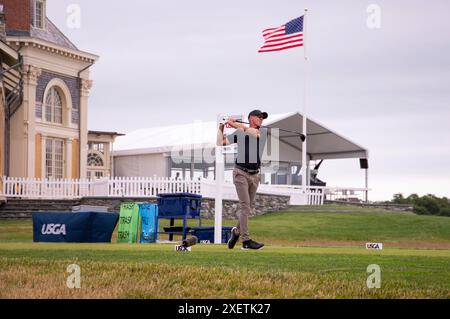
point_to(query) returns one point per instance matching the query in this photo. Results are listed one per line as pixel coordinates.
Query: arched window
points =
(94, 160)
(53, 106)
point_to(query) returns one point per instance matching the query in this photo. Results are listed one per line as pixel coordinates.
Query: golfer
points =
(246, 174)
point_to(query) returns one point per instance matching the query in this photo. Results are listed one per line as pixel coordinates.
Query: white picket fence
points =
(150, 187)
(106, 187)
(313, 195)
(45, 188)
(33, 188)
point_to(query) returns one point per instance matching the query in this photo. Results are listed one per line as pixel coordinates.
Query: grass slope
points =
(338, 225)
(281, 270)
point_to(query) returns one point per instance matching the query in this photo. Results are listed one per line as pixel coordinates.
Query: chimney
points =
(2, 24)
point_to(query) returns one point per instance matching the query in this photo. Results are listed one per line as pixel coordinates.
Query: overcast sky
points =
(387, 89)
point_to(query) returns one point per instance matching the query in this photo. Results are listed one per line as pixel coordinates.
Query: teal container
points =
(149, 223)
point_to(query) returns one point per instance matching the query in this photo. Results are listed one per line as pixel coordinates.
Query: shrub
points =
(445, 211)
(420, 210)
(430, 203)
(425, 205)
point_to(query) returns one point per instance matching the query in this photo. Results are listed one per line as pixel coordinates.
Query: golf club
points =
(302, 136)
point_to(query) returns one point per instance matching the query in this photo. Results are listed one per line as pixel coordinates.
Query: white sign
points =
(374, 246)
(182, 248)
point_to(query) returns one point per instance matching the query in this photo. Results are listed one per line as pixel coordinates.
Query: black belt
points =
(250, 171)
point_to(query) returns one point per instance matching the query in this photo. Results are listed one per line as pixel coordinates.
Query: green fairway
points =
(314, 252)
(330, 225)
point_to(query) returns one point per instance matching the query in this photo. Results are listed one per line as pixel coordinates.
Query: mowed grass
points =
(288, 267)
(353, 225)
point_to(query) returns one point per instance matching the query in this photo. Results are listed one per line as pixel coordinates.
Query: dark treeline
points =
(425, 205)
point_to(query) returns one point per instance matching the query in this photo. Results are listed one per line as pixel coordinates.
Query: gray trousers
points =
(246, 185)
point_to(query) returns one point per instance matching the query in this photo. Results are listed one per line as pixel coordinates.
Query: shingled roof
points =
(51, 33)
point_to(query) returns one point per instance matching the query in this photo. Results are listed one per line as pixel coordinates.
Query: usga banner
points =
(128, 223)
(80, 227)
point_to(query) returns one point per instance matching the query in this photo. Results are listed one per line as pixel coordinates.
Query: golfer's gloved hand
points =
(231, 121)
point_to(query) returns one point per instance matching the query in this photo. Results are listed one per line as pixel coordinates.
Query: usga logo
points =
(53, 229)
(374, 246)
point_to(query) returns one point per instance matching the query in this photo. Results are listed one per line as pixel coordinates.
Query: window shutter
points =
(38, 156)
(33, 12)
(75, 159)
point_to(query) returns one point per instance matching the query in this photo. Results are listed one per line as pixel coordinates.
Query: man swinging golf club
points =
(246, 174)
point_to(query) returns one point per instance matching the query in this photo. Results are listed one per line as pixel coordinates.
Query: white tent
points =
(323, 143)
(150, 152)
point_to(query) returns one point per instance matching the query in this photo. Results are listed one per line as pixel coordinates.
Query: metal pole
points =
(367, 184)
(220, 167)
(304, 183)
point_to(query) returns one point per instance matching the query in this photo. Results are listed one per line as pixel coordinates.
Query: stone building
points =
(99, 159)
(46, 136)
(11, 89)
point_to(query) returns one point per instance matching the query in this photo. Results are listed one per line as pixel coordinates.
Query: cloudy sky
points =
(387, 89)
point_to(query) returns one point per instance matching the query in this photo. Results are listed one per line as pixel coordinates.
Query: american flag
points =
(289, 35)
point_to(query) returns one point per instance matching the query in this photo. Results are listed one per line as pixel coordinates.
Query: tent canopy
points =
(322, 143)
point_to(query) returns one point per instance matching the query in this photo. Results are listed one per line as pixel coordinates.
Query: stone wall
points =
(263, 204)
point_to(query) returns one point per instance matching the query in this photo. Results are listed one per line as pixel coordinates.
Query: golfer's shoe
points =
(250, 244)
(233, 239)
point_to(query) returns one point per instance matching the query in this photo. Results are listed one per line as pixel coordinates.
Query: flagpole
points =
(304, 169)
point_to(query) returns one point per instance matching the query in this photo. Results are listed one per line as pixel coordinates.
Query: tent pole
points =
(367, 184)
(219, 177)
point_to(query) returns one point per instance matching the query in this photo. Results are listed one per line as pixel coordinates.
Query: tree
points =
(425, 205)
(398, 199)
(430, 203)
(411, 198)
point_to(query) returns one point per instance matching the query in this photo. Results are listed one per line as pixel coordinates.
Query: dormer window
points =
(39, 14)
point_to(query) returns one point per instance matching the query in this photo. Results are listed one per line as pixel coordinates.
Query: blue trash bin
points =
(178, 205)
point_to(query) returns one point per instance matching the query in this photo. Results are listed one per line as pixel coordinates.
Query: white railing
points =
(347, 194)
(152, 186)
(45, 188)
(106, 187)
(313, 196)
